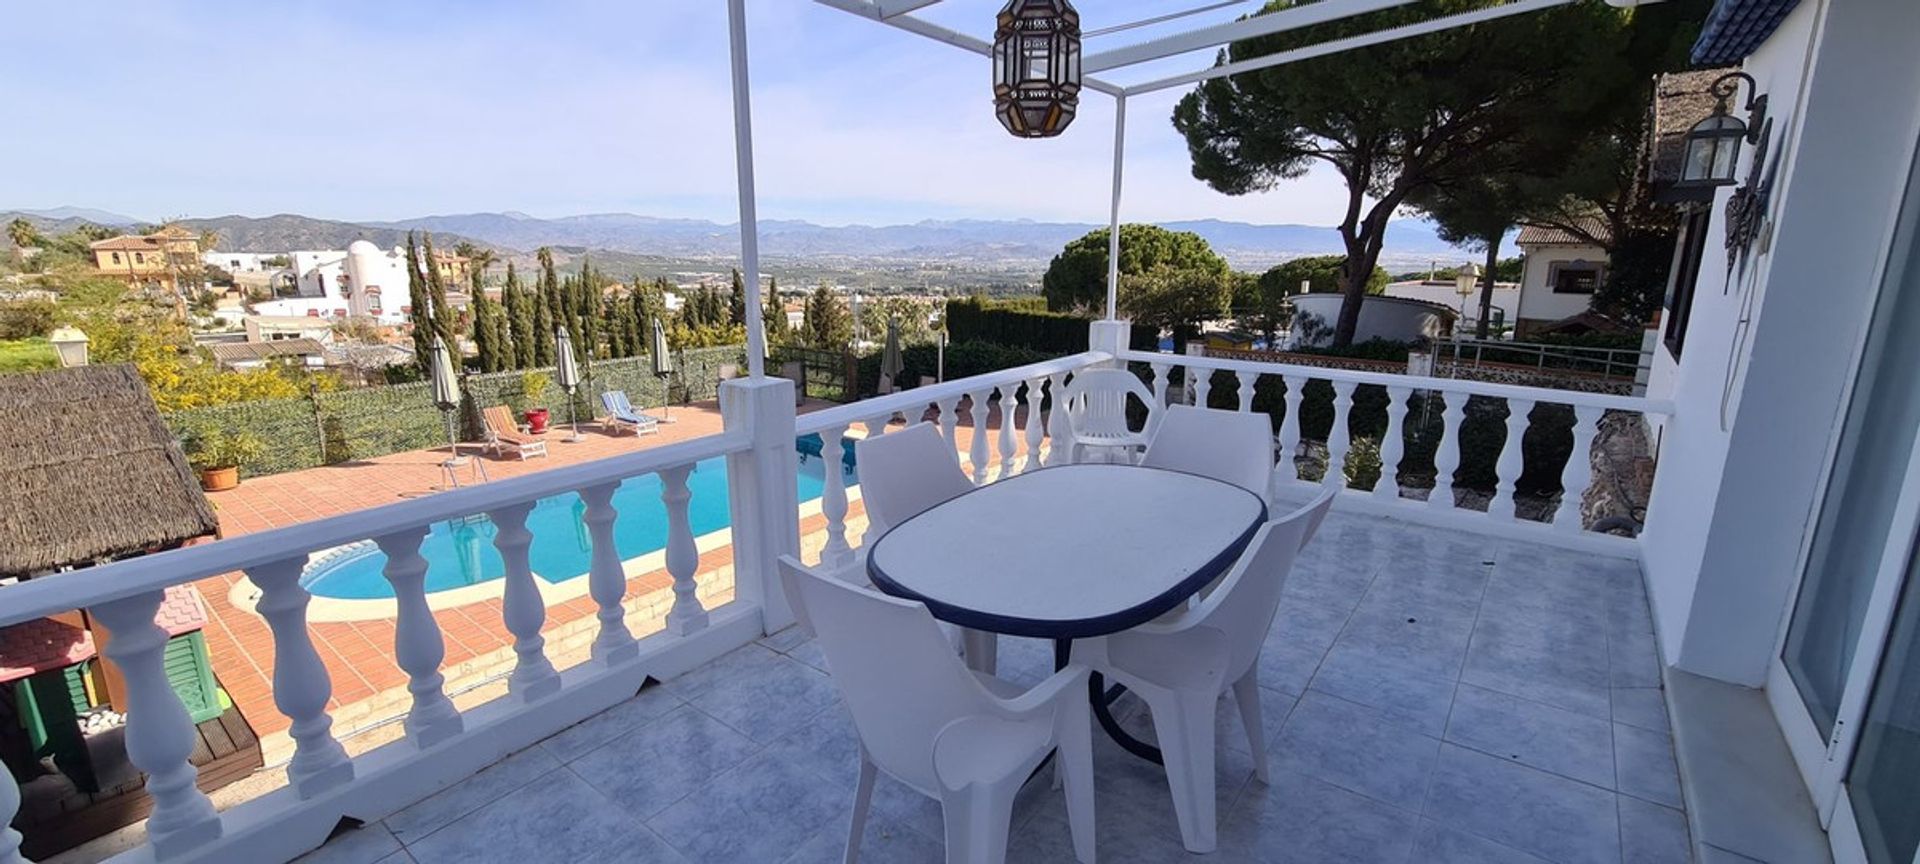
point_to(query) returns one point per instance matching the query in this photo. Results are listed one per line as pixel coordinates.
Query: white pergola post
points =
(1113, 217)
(743, 159)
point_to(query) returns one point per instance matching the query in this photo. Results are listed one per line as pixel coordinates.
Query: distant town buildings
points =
(362, 281)
(157, 260)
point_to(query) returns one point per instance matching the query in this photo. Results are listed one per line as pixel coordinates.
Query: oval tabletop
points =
(1068, 552)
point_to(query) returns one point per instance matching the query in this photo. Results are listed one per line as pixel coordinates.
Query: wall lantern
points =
(71, 345)
(1036, 67)
(1713, 144)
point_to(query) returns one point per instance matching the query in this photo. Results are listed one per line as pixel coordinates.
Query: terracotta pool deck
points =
(369, 689)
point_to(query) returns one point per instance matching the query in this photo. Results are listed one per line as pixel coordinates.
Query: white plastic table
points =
(1069, 552)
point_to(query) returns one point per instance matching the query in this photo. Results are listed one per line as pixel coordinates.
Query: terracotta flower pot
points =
(219, 479)
(536, 420)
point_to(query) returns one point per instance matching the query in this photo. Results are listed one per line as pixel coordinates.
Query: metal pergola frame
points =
(899, 15)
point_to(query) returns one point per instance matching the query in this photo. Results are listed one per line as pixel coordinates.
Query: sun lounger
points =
(505, 436)
(621, 414)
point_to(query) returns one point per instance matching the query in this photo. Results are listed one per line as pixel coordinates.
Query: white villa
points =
(362, 281)
(1561, 271)
(1729, 674)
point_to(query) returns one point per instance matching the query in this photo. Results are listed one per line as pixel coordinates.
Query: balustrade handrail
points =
(919, 397)
(1607, 401)
(121, 579)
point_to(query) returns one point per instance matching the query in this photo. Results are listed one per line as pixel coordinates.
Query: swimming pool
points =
(460, 552)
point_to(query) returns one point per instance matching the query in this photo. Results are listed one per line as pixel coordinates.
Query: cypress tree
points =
(483, 347)
(519, 320)
(546, 303)
(445, 319)
(419, 304)
(773, 319)
(737, 301)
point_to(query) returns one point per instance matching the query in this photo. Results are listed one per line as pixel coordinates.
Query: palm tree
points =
(23, 234)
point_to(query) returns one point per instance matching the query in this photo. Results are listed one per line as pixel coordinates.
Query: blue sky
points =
(368, 111)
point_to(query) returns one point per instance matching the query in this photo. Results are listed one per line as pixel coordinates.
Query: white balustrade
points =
(1339, 436)
(1202, 378)
(1009, 405)
(522, 608)
(1162, 373)
(977, 419)
(950, 420)
(1446, 454)
(683, 556)
(876, 427)
(9, 805)
(1036, 423)
(1392, 445)
(159, 733)
(1246, 381)
(1512, 460)
(1059, 452)
(301, 685)
(607, 578)
(417, 644)
(1578, 474)
(1290, 428)
(833, 498)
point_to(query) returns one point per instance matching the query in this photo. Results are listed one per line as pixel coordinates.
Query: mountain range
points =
(1010, 245)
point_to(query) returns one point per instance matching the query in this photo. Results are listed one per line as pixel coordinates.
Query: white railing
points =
(1384, 495)
(988, 456)
(442, 743)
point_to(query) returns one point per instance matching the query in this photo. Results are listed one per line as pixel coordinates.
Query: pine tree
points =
(520, 321)
(737, 302)
(419, 309)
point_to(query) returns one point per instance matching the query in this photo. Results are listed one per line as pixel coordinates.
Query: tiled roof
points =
(245, 352)
(41, 645)
(1736, 27)
(1547, 235)
(125, 243)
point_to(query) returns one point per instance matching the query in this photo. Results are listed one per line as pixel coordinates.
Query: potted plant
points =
(217, 455)
(534, 385)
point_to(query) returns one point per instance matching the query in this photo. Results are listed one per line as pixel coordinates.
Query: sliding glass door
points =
(1883, 788)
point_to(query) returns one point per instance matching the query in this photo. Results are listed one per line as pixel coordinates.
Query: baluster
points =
(523, 609)
(1036, 423)
(1058, 452)
(1202, 384)
(683, 557)
(1511, 461)
(977, 418)
(1392, 445)
(1009, 405)
(301, 686)
(9, 838)
(607, 578)
(1339, 438)
(1579, 472)
(417, 644)
(950, 421)
(1247, 380)
(1446, 454)
(159, 734)
(1290, 428)
(876, 427)
(1161, 375)
(833, 498)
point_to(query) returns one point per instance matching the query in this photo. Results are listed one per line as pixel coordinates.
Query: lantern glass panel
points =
(1712, 147)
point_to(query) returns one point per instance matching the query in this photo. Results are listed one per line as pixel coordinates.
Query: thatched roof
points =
(90, 471)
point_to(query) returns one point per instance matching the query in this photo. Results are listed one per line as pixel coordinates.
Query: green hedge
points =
(964, 360)
(973, 320)
(331, 428)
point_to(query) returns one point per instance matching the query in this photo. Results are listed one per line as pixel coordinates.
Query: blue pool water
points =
(461, 552)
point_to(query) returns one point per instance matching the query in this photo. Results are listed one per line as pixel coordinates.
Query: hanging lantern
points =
(1036, 67)
(1713, 144)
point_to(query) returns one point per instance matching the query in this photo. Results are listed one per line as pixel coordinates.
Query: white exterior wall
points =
(1506, 296)
(329, 283)
(238, 262)
(1758, 405)
(1381, 317)
(1538, 302)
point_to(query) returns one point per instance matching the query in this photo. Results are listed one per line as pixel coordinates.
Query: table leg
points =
(1102, 697)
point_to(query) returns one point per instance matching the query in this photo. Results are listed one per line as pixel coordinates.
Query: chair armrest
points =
(1038, 701)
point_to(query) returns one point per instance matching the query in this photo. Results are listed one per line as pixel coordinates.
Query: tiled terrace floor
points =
(1429, 697)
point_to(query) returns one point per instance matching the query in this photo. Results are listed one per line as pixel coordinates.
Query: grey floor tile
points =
(1645, 707)
(1543, 665)
(1228, 731)
(490, 784)
(760, 811)
(1711, 854)
(763, 694)
(368, 844)
(1551, 739)
(809, 653)
(556, 818)
(1417, 697)
(1439, 844)
(1635, 661)
(574, 741)
(400, 857)
(1356, 748)
(884, 842)
(1644, 762)
(785, 640)
(827, 745)
(1301, 820)
(1303, 630)
(659, 763)
(1544, 814)
(1652, 834)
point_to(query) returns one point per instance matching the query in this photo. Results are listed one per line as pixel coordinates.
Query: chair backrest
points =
(903, 473)
(895, 669)
(1229, 446)
(1096, 402)
(616, 402)
(1244, 605)
(1317, 512)
(499, 419)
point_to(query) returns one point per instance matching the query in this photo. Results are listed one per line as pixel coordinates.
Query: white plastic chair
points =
(1229, 446)
(967, 740)
(904, 473)
(1181, 665)
(1096, 412)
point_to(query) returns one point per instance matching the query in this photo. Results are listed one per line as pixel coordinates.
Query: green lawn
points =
(27, 355)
